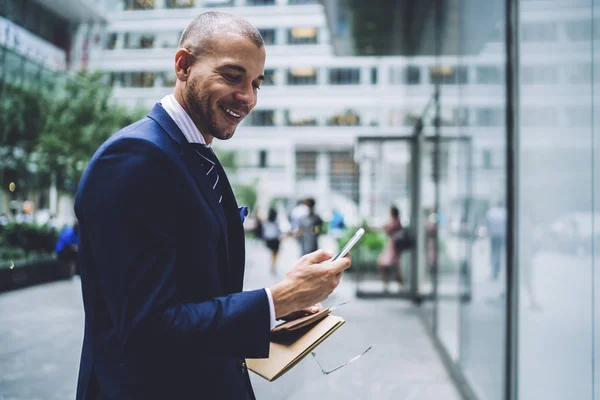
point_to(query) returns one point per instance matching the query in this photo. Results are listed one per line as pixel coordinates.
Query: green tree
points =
(77, 121)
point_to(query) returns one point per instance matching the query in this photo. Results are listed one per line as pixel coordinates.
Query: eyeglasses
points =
(326, 372)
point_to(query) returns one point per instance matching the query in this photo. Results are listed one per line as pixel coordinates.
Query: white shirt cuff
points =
(271, 308)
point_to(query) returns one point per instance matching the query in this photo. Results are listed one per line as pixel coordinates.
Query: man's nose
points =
(246, 95)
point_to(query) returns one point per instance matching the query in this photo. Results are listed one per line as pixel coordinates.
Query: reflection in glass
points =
(556, 220)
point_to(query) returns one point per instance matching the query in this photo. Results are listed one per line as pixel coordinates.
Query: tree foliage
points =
(77, 121)
(56, 132)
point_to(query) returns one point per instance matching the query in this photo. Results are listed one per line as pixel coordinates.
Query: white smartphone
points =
(350, 244)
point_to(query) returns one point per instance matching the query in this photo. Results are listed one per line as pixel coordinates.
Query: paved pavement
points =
(41, 331)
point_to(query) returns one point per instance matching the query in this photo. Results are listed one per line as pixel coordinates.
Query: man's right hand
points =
(309, 282)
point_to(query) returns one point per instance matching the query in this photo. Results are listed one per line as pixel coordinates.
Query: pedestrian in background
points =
(67, 246)
(311, 227)
(496, 231)
(272, 237)
(388, 261)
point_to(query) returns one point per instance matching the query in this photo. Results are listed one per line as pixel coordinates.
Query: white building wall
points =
(386, 108)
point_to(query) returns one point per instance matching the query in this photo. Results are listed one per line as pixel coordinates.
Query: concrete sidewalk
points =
(41, 333)
(402, 364)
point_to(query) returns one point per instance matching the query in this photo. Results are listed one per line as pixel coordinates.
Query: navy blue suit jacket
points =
(162, 265)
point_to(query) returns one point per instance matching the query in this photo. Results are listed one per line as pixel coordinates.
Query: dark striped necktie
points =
(209, 161)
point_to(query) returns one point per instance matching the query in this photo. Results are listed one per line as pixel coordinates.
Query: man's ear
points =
(183, 63)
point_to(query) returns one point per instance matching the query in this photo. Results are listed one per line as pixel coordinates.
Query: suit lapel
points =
(192, 161)
(235, 234)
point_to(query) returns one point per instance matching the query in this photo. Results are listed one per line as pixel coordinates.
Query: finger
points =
(340, 265)
(319, 256)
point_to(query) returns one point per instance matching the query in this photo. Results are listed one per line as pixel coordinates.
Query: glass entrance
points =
(425, 178)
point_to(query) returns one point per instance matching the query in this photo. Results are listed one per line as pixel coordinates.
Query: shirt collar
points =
(183, 120)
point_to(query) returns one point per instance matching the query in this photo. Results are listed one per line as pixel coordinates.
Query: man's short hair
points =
(198, 35)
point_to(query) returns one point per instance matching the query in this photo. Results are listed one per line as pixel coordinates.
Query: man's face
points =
(223, 84)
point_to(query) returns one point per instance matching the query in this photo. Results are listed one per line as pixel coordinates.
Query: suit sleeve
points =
(126, 209)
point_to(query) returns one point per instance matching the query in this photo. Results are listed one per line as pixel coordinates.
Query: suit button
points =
(244, 368)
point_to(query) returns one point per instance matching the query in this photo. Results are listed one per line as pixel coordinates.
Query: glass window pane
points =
(303, 35)
(262, 118)
(302, 76)
(344, 76)
(306, 165)
(268, 35)
(556, 220)
(180, 3)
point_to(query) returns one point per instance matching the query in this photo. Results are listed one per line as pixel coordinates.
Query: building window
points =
(268, 35)
(262, 118)
(344, 76)
(394, 76)
(539, 75)
(344, 174)
(412, 75)
(306, 165)
(489, 75)
(111, 41)
(539, 32)
(218, 3)
(297, 2)
(116, 78)
(260, 2)
(262, 159)
(180, 3)
(374, 76)
(302, 76)
(297, 117)
(346, 118)
(133, 79)
(138, 41)
(446, 74)
(142, 79)
(270, 77)
(139, 4)
(489, 117)
(169, 79)
(305, 35)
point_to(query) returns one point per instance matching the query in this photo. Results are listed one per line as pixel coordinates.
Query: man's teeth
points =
(231, 112)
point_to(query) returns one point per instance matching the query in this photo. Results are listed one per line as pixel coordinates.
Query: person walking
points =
(388, 261)
(310, 228)
(496, 231)
(161, 240)
(272, 237)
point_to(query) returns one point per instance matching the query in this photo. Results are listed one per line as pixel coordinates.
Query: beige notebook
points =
(286, 350)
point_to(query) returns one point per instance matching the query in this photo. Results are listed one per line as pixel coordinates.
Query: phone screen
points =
(350, 244)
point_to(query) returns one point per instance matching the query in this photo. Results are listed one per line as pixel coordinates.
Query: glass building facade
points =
(499, 186)
(510, 295)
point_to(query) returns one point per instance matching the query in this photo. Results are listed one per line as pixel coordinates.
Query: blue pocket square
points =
(243, 213)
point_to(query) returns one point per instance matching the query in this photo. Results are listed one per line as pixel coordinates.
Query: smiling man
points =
(161, 242)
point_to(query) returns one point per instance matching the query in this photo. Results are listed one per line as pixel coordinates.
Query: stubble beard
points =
(199, 102)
